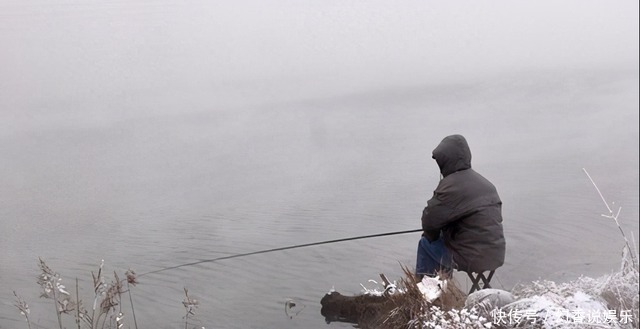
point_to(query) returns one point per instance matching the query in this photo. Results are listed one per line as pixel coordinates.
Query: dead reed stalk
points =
(53, 289)
(412, 310)
(107, 304)
(23, 307)
(190, 306)
(131, 280)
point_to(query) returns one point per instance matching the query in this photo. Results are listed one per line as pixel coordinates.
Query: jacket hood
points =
(452, 154)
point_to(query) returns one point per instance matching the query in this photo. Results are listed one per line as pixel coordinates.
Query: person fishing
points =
(462, 222)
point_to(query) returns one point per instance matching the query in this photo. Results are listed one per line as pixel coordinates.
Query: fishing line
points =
(280, 249)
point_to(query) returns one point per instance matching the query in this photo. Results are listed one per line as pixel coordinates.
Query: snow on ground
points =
(610, 301)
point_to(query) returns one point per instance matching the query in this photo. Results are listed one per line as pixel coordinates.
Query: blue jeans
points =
(433, 257)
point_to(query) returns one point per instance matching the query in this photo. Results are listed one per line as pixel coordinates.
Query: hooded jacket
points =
(465, 210)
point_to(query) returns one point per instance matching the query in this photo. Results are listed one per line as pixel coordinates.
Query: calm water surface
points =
(167, 173)
(171, 189)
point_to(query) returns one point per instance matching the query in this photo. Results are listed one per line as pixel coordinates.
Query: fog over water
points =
(151, 134)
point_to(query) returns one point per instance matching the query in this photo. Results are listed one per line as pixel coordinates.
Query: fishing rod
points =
(280, 249)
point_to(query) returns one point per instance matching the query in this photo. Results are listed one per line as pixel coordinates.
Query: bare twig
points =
(98, 288)
(614, 217)
(190, 306)
(77, 307)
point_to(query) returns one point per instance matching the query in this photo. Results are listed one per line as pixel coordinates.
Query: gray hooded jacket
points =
(465, 209)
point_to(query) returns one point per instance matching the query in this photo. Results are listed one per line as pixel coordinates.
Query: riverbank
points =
(610, 301)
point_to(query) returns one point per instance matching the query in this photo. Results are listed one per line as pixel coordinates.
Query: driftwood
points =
(389, 310)
(351, 309)
(355, 309)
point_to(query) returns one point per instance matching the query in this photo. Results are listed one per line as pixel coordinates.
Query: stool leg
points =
(474, 282)
(487, 280)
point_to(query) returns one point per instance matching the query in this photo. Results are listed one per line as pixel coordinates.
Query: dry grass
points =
(412, 310)
(106, 311)
(407, 307)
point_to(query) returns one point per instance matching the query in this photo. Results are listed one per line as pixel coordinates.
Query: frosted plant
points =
(119, 320)
(132, 281)
(380, 289)
(52, 288)
(23, 307)
(190, 306)
(634, 258)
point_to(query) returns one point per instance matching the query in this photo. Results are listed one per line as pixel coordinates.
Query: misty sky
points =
(99, 55)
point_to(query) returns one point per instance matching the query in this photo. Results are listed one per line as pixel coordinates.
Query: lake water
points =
(170, 189)
(160, 172)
